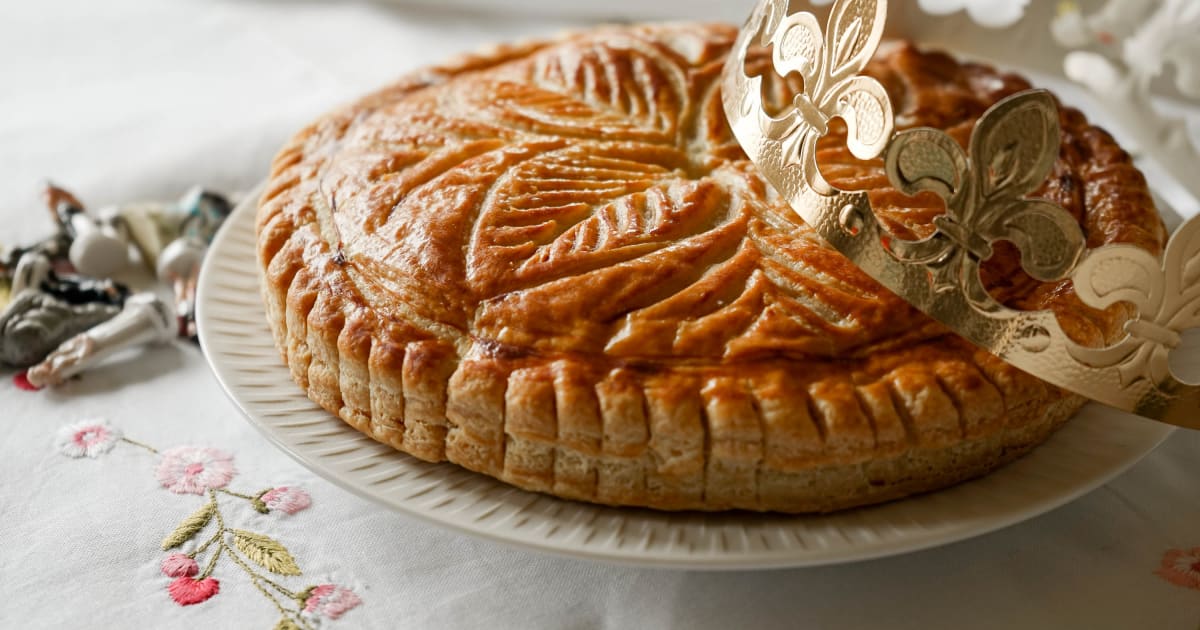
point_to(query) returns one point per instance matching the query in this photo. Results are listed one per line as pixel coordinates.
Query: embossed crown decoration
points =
(986, 192)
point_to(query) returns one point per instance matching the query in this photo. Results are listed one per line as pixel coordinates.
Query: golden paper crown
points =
(1011, 152)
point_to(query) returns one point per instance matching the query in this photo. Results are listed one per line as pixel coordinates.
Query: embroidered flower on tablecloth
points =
(1181, 567)
(193, 470)
(286, 499)
(188, 590)
(329, 601)
(90, 438)
(179, 565)
(266, 562)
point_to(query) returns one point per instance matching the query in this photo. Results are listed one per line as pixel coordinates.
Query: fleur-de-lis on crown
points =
(1012, 150)
(1166, 294)
(830, 65)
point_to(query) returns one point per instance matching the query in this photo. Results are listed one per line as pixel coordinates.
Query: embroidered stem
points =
(236, 494)
(212, 562)
(212, 496)
(283, 591)
(140, 445)
(199, 550)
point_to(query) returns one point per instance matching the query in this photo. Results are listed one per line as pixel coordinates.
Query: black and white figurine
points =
(36, 271)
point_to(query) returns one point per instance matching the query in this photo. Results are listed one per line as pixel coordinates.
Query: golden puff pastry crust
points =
(551, 263)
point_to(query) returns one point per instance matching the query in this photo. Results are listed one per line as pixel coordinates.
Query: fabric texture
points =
(133, 100)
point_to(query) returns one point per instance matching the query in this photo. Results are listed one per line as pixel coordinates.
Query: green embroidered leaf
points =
(268, 553)
(286, 624)
(190, 526)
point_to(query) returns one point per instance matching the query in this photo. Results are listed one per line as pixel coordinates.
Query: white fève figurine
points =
(98, 249)
(179, 267)
(178, 264)
(144, 319)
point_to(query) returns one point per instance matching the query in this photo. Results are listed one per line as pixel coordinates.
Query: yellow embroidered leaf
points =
(268, 553)
(286, 624)
(190, 526)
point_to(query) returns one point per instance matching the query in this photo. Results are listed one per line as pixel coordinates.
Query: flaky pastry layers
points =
(552, 263)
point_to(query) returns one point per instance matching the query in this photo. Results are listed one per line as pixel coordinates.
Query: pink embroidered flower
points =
(187, 591)
(89, 437)
(1181, 568)
(179, 565)
(330, 600)
(193, 470)
(286, 499)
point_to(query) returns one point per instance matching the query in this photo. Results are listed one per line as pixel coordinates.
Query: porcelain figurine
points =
(179, 267)
(54, 247)
(35, 271)
(35, 322)
(144, 320)
(97, 248)
(204, 212)
(179, 262)
(149, 226)
(154, 226)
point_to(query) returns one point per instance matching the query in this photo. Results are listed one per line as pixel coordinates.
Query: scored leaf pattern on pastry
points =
(608, 168)
(695, 233)
(590, 198)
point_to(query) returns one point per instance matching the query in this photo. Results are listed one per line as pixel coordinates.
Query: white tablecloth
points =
(122, 100)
